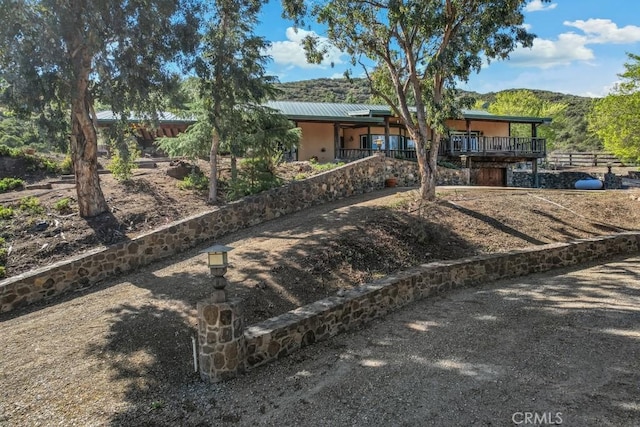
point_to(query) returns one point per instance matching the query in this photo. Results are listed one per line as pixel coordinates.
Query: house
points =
(479, 140)
(169, 124)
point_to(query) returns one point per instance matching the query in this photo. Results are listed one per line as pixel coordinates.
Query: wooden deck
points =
(458, 146)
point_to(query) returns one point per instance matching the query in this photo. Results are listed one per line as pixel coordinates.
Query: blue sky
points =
(580, 49)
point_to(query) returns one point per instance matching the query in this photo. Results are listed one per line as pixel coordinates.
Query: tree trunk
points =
(234, 168)
(213, 168)
(84, 143)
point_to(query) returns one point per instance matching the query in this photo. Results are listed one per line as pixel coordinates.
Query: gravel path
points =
(564, 343)
(565, 347)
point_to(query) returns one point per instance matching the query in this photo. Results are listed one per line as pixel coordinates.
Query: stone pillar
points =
(221, 343)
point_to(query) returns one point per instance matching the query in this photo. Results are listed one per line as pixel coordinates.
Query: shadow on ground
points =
(563, 345)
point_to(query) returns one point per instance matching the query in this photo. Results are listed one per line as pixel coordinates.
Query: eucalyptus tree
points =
(616, 118)
(72, 52)
(414, 52)
(232, 73)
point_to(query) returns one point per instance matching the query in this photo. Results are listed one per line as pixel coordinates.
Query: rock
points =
(179, 170)
(40, 226)
(46, 186)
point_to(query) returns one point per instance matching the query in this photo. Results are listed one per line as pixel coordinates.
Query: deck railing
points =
(360, 153)
(487, 145)
(464, 146)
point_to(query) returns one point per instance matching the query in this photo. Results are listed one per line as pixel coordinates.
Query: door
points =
(492, 177)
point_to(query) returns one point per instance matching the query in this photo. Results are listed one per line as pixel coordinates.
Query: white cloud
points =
(570, 46)
(538, 6)
(527, 27)
(606, 31)
(291, 53)
(548, 53)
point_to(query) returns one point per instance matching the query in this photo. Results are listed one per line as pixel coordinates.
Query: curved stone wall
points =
(354, 178)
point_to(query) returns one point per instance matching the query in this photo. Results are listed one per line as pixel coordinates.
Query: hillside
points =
(573, 136)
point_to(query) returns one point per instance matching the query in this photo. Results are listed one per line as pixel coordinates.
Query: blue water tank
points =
(589, 184)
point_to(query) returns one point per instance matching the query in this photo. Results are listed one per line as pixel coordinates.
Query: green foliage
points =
(195, 181)
(6, 212)
(323, 167)
(3, 271)
(30, 204)
(526, 103)
(194, 143)
(9, 151)
(267, 134)
(615, 118)
(57, 55)
(343, 90)
(232, 74)
(8, 184)
(420, 50)
(448, 165)
(66, 165)
(63, 205)
(255, 175)
(573, 135)
(125, 152)
(121, 168)
(33, 163)
(35, 131)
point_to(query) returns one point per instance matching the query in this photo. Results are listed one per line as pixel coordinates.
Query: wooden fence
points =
(584, 159)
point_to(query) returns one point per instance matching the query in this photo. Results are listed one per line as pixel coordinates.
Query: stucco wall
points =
(354, 178)
(315, 137)
(487, 128)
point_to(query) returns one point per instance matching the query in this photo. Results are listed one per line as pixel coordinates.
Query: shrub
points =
(300, 176)
(254, 176)
(31, 204)
(8, 184)
(66, 166)
(63, 205)
(196, 180)
(322, 167)
(3, 272)
(5, 212)
(122, 168)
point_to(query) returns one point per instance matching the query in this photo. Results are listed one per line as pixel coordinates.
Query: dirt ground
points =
(119, 353)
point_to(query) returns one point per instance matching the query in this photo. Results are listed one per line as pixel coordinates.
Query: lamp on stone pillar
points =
(218, 263)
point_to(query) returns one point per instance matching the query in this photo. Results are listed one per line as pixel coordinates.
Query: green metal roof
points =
(330, 112)
(107, 117)
(373, 113)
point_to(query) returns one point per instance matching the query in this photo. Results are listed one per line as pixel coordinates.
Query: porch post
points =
(336, 140)
(534, 172)
(386, 136)
(468, 144)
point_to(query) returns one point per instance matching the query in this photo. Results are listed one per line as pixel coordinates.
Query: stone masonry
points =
(354, 178)
(562, 180)
(221, 338)
(282, 335)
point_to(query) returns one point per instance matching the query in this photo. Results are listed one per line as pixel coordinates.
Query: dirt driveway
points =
(565, 347)
(120, 353)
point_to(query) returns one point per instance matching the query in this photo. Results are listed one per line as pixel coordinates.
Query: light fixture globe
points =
(218, 263)
(217, 256)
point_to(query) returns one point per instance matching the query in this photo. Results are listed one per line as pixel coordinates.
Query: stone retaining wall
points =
(358, 177)
(561, 180)
(282, 335)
